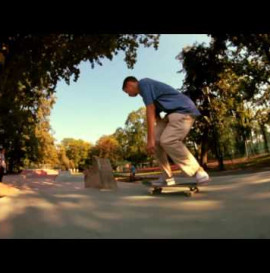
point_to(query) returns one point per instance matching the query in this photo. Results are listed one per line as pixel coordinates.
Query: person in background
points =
(132, 173)
(2, 163)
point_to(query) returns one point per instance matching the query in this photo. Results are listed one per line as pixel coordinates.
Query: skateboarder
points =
(165, 135)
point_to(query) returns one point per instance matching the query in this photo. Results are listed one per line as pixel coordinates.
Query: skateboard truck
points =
(193, 188)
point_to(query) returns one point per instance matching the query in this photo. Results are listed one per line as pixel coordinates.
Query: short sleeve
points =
(147, 91)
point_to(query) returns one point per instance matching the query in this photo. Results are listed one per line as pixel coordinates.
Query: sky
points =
(95, 105)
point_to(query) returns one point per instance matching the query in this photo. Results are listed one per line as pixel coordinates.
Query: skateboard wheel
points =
(194, 189)
(157, 191)
(188, 194)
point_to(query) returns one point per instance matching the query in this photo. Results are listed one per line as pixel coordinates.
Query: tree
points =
(77, 152)
(64, 162)
(46, 151)
(213, 82)
(136, 131)
(31, 66)
(108, 147)
(251, 59)
(202, 67)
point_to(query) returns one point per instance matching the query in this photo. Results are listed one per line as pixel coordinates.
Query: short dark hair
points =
(128, 79)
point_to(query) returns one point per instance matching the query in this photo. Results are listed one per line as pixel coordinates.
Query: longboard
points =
(192, 186)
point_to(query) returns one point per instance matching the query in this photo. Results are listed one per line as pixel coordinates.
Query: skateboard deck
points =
(192, 186)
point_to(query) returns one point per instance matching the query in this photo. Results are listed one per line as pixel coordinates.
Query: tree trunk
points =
(10, 166)
(252, 151)
(204, 149)
(218, 151)
(246, 149)
(266, 147)
(220, 158)
(221, 163)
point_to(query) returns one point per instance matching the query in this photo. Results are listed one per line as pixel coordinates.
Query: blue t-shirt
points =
(166, 98)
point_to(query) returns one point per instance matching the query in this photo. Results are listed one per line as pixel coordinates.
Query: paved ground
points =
(231, 207)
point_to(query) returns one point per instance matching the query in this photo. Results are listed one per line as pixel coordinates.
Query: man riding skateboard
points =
(165, 135)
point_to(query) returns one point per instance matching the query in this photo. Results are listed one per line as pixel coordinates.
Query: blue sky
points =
(95, 105)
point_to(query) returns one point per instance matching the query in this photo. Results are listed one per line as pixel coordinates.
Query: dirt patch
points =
(253, 164)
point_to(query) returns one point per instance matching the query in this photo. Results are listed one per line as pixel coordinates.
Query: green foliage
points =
(132, 138)
(31, 66)
(76, 153)
(107, 147)
(229, 81)
(64, 162)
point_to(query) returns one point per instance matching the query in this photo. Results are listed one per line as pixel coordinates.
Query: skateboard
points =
(155, 190)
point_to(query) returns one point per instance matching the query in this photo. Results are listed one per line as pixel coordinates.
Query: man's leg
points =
(161, 155)
(171, 141)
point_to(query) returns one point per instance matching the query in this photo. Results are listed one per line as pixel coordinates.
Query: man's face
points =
(132, 89)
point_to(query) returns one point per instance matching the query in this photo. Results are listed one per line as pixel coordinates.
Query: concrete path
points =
(231, 207)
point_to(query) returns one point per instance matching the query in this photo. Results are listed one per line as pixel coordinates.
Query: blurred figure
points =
(132, 173)
(2, 163)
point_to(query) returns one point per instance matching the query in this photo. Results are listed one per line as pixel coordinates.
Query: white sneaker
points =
(161, 182)
(202, 177)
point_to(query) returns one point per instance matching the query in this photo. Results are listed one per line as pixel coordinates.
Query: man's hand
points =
(151, 146)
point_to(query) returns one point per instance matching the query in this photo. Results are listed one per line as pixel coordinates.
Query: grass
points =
(239, 165)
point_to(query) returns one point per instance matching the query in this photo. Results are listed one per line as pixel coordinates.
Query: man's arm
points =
(151, 119)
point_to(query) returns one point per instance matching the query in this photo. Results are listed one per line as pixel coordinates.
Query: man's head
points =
(130, 86)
